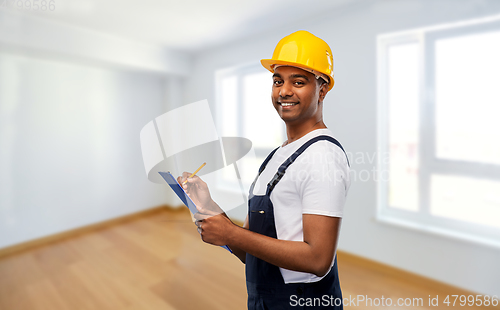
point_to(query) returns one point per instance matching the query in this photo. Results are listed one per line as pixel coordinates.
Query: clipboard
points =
(179, 191)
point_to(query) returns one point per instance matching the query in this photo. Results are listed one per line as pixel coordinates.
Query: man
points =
(289, 239)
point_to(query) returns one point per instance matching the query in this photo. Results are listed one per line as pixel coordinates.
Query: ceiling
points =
(186, 25)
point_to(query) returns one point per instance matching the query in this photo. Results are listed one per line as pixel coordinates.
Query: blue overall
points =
(265, 285)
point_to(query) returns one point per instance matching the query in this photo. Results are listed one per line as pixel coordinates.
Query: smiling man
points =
(289, 239)
(298, 97)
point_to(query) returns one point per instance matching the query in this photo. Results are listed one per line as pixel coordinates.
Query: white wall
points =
(69, 140)
(350, 111)
(72, 104)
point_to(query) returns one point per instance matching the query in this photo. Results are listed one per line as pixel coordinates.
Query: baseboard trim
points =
(400, 273)
(20, 247)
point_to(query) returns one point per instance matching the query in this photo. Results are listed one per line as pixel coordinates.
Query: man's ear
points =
(323, 89)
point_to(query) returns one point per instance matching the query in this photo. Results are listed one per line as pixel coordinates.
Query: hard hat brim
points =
(269, 63)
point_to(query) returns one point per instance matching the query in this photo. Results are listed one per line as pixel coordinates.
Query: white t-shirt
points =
(316, 183)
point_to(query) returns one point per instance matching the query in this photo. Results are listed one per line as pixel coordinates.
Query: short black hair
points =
(322, 81)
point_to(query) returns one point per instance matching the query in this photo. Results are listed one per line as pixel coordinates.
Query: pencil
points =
(192, 175)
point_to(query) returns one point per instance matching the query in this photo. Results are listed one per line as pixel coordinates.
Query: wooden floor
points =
(157, 261)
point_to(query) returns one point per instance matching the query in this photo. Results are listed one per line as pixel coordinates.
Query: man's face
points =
(297, 95)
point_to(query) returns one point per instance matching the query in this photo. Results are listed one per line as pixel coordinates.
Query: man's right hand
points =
(199, 193)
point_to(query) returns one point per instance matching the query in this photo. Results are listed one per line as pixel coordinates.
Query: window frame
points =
(422, 220)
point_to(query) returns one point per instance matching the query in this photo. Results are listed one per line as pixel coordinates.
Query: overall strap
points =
(281, 170)
(262, 167)
(268, 158)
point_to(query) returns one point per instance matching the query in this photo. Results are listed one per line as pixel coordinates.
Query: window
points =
(244, 109)
(439, 102)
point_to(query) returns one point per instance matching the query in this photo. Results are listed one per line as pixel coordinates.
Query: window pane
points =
(403, 126)
(466, 199)
(468, 98)
(262, 123)
(229, 101)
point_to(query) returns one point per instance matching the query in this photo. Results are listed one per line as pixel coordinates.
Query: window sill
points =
(439, 231)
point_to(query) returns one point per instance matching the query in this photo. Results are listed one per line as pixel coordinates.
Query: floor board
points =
(157, 261)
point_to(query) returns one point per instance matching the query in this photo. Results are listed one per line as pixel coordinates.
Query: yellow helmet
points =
(304, 50)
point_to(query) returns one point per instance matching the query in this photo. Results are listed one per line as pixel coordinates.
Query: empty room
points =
(166, 154)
